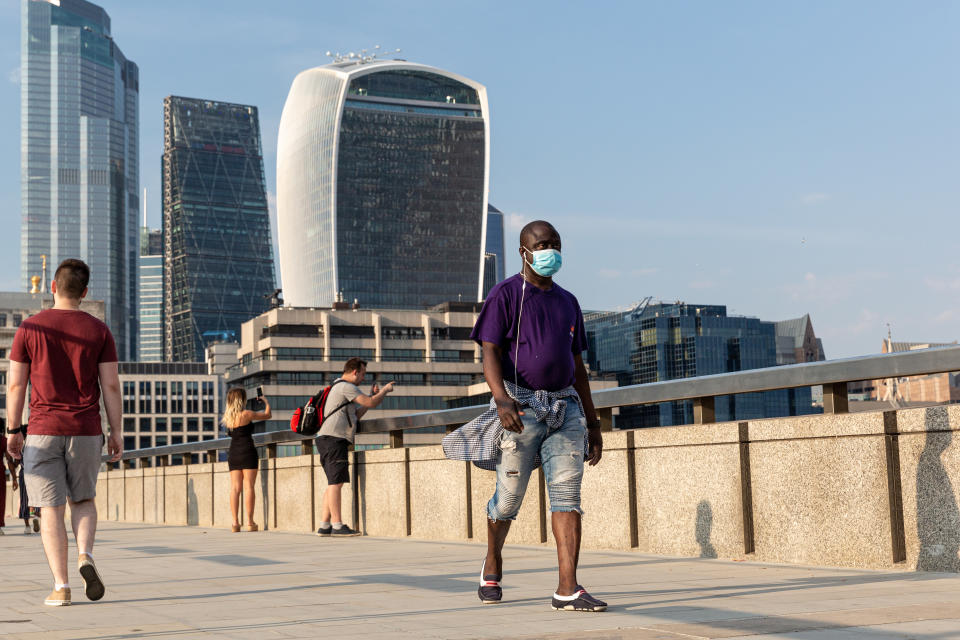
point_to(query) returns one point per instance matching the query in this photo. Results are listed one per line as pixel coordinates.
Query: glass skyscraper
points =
(79, 154)
(151, 296)
(382, 174)
(218, 255)
(495, 267)
(669, 341)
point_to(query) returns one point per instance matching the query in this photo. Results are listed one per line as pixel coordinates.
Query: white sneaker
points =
(2, 533)
(27, 530)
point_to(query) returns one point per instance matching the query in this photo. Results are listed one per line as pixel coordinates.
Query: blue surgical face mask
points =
(546, 262)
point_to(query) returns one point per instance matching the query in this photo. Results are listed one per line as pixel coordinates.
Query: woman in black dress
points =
(242, 458)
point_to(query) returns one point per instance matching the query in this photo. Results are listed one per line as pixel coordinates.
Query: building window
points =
(403, 355)
(129, 443)
(193, 396)
(176, 424)
(160, 441)
(129, 396)
(146, 406)
(160, 389)
(17, 319)
(176, 397)
(293, 353)
(129, 425)
(146, 442)
(208, 424)
(160, 424)
(208, 399)
(193, 424)
(3, 354)
(346, 354)
(145, 425)
(3, 319)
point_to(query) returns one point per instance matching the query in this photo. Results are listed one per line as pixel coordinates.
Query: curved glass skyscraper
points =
(382, 174)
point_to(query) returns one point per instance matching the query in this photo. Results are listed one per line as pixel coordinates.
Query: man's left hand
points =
(15, 445)
(595, 444)
(375, 389)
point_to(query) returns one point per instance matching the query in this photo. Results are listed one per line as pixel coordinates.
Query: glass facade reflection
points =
(670, 341)
(151, 297)
(495, 267)
(218, 256)
(79, 155)
(381, 186)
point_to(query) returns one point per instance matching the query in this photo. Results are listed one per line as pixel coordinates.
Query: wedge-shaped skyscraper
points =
(382, 174)
(218, 257)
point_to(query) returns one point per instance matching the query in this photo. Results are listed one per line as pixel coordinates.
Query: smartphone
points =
(259, 392)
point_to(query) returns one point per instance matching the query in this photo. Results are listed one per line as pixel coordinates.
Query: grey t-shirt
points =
(343, 423)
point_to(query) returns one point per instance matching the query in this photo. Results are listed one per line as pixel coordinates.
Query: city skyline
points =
(779, 159)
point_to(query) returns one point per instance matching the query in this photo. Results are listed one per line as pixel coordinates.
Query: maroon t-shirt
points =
(64, 349)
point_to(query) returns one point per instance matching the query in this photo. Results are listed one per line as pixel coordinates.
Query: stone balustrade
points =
(866, 490)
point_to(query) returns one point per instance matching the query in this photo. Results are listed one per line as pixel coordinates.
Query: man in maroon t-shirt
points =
(67, 356)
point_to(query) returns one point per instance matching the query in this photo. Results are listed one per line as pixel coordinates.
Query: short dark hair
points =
(72, 277)
(354, 364)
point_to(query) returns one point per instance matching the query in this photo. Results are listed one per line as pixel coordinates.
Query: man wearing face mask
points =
(532, 335)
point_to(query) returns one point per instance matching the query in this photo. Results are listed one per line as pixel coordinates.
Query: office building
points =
(15, 307)
(656, 342)
(169, 403)
(294, 352)
(797, 342)
(150, 293)
(907, 391)
(218, 256)
(494, 266)
(382, 176)
(79, 154)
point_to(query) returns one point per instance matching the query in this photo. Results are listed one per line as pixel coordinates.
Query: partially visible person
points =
(3, 480)
(344, 407)
(242, 458)
(67, 357)
(29, 515)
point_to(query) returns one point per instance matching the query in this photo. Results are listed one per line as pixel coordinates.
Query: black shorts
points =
(333, 458)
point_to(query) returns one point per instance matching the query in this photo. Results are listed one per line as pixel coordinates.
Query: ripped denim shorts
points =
(561, 451)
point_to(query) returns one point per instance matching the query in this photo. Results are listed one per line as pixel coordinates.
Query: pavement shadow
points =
(938, 518)
(704, 527)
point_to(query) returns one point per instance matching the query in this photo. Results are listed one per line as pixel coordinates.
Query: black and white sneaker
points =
(580, 600)
(490, 591)
(324, 531)
(344, 532)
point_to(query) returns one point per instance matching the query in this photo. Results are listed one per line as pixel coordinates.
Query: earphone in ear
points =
(516, 354)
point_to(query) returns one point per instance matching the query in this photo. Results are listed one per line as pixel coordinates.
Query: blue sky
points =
(779, 158)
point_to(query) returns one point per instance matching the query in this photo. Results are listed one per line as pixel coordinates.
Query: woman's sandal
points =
(252, 527)
(235, 528)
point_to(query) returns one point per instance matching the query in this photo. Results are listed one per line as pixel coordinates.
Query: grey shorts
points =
(58, 468)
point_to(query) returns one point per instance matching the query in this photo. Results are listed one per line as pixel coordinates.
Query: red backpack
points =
(308, 419)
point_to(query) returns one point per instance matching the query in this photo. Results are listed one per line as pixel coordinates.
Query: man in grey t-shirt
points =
(345, 405)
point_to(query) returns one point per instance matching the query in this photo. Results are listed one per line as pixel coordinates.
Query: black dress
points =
(243, 453)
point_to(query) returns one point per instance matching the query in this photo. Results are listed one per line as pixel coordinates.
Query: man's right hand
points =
(15, 445)
(509, 412)
(387, 388)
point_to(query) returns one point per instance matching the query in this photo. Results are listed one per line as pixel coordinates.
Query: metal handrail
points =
(833, 373)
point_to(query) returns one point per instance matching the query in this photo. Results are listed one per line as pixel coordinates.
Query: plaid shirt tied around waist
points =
(478, 441)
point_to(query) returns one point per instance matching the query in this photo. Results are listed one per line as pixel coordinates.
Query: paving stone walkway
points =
(187, 582)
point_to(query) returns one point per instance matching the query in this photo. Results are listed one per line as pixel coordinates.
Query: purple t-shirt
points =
(551, 333)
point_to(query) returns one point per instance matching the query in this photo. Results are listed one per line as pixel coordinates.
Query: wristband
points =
(13, 432)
